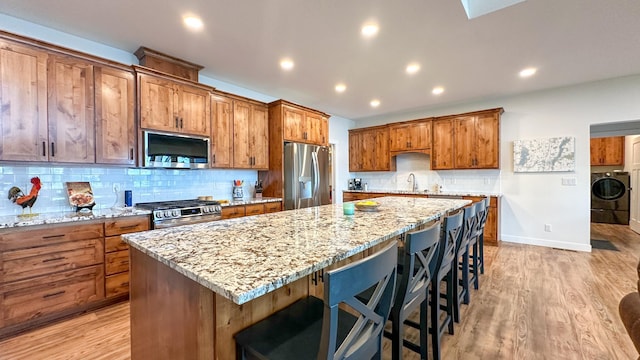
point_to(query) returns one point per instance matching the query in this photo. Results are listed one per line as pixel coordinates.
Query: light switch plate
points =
(569, 181)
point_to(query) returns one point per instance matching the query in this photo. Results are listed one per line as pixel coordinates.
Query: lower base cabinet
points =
(52, 271)
(230, 212)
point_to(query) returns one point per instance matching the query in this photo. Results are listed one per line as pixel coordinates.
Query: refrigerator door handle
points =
(316, 178)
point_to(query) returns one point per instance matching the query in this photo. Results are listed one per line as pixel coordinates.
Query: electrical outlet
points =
(547, 227)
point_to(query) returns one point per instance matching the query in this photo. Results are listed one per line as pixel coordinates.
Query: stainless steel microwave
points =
(163, 150)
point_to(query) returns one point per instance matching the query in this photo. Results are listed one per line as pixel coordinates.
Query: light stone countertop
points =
(428, 193)
(244, 258)
(249, 201)
(13, 221)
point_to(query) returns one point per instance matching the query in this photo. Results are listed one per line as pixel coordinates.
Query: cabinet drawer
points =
(255, 209)
(126, 225)
(31, 262)
(46, 235)
(116, 262)
(114, 243)
(272, 207)
(232, 212)
(30, 299)
(116, 284)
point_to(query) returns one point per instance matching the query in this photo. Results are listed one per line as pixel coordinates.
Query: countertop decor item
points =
(367, 205)
(238, 193)
(17, 196)
(80, 196)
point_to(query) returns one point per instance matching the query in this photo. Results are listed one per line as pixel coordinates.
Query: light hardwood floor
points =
(533, 303)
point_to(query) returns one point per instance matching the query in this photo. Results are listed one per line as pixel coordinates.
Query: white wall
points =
(339, 136)
(531, 200)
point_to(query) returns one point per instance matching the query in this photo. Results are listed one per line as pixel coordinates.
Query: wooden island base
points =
(173, 317)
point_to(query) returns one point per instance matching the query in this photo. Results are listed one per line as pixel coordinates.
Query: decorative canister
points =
(238, 194)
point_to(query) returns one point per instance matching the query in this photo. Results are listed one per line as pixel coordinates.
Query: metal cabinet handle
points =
(53, 149)
(127, 227)
(54, 259)
(214, 158)
(176, 122)
(53, 236)
(181, 124)
(44, 148)
(131, 154)
(53, 294)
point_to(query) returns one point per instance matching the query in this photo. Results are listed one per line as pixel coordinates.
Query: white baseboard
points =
(548, 243)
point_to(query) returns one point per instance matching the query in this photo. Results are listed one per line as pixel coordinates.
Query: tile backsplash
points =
(446, 180)
(109, 184)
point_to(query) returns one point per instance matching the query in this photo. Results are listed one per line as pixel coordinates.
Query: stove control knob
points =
(205, 209)
(176, 213)
(167, 213)
(158, 214)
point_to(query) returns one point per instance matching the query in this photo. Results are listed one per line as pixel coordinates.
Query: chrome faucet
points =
(414, 186)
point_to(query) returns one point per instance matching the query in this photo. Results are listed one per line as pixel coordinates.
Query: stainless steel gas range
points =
(182, 212)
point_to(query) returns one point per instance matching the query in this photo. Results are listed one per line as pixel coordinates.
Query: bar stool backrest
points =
(419, 249)
(451, 230)
(468, 226)
(482, 216)
(364, 338)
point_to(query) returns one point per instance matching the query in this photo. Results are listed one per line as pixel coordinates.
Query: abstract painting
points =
(544, 155)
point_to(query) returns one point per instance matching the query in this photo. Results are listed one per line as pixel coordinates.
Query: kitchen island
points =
(193, 287)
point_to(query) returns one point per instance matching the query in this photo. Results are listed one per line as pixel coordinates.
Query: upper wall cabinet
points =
(115, 120)
(301, 124)
(369, 149)
(475, 141)
(414, 136)
(222, 131)
(167, 104)
(250, 135)
(607, 151)
(71, 110)
(23, 102)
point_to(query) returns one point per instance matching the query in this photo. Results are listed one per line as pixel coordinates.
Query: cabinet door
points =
(71, 110)
(241, 148)
(293, 124)
(222, 132)
(368, 150)
(464, 143)
(355, 146)
(115, 121)
(596, 152)
(324, 131)
(382, 158)
(259, 137)
(157, 104)
(613, 150)
(421, 135)
(23, 100)
(400, 137)
(313, 128)
(487, 142)
(195, 107)
(442, 151)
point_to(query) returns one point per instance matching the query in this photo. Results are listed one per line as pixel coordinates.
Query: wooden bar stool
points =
(311, 328)
(440, 269)
(413, 290)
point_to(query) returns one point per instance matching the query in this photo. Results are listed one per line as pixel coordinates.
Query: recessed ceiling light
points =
(413, 68)
(369, 30)
(193, 22)
(286, 64)
(437, 90)
(375, 103)
(528, 72)
(341, 88)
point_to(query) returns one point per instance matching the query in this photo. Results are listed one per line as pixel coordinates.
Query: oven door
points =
(186, 221)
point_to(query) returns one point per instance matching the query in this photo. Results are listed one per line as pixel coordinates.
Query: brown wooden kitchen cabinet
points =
(475, 141)
(222, 131)
(116, 253)
(230, 212)
(250, 135)
(607, 151)
(369, 149)
(23, 125)
(115, 116)
(49, 272)
(493, 220)
(169, 104)
(300, 124)
(71, 118)
(414, 136)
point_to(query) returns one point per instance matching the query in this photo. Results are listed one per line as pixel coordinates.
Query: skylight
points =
(475, 8)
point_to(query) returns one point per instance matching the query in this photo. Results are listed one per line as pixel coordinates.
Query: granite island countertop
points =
(250, 201)
(428, 193)
(244, 258)
(13, 221)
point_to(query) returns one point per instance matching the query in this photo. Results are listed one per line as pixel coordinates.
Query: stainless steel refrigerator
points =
(307, 175)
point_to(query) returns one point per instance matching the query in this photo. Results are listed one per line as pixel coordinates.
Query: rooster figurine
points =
(17, 196)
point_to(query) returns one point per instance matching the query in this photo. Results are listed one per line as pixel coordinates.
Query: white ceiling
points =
(569, 41)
